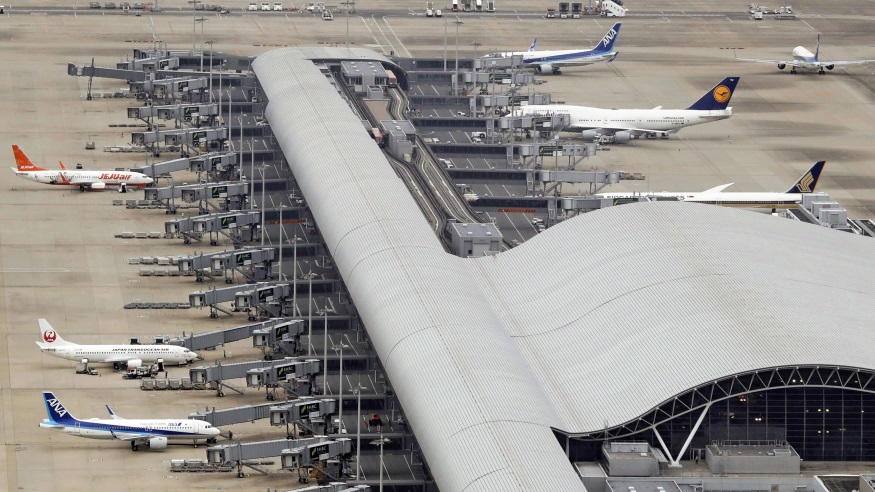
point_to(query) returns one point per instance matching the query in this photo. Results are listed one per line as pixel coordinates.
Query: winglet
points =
(606, 45)
(717, 99)
(23, 162)
(808, 182)
(817, 49)
(57, 412)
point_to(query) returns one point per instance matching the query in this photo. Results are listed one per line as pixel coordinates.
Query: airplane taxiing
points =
(552, 61)
(85, 180)
(153, 433)
(716, 196)
(804, 59)
(625, 124)
(128, 356)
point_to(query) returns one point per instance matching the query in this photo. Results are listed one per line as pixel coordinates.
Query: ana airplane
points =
(552, 61)
(716, 196)
(625, 124)
(154, 433)
(85, 180)
(802, 58)
(120, 356)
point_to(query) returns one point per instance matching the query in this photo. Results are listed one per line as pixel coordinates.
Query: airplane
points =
(552, 61)
(716, 196)
(802, 58)
(120, 356)
(625, 124)
(153, 433)
(85, 180)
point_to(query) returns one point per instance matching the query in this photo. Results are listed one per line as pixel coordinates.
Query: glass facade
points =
(822, 424)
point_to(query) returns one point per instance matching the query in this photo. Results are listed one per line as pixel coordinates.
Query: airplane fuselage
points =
(671, 120)
(105, 428)
(72, 177)
(170, 354)
(561, 58)
(729, 199)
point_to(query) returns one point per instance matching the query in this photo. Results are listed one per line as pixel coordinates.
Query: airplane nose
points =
(191, 356)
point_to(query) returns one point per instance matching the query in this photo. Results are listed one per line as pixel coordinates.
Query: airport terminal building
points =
(675, 324)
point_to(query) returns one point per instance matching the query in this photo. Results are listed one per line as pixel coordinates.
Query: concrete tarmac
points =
(59, 259)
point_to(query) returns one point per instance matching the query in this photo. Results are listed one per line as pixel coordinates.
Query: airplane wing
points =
(117, 358)
(845, 62)
(760, 60)
(631, 129)
(84, 182)
(130, 436)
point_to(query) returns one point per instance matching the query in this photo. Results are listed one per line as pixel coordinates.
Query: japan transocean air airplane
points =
(625, 124)
(552, 61)
(85, 180)
(716, 196)
(154, 433)
(804, 59)
(120, 356)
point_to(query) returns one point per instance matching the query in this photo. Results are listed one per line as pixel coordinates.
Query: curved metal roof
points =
(595, 321)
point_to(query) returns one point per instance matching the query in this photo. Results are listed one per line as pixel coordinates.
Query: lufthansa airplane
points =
(85, 180)
(716, 196)
(128, 356)
(625, 124)
(804, 59)
(552, 61)
(154, 433)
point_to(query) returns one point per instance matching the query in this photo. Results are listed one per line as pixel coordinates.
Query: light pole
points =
(279, 274)
(295, 274)
(202, 20)
(445, 43)
(382, 440)
(475, 44)
(193, 23)
(340, 347)
(325, 366)
(358, 429)
(347, 3)
(210, 42)
(310, 316)
(457, 22)
(261, 168)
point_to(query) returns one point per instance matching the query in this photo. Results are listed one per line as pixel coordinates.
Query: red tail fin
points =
(63, 167)
(23, 162)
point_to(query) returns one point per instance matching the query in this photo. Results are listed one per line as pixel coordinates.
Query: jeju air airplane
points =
(85, 180)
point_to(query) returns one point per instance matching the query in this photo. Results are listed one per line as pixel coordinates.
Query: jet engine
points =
(98, 186)
(830, 67)
(782, 66)
(158, 442)
(544, 68)
(588, 135)
(134, 363)
(622, 137)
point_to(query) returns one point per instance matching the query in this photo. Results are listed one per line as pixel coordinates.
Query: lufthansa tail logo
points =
(722, 93)
(805, 183)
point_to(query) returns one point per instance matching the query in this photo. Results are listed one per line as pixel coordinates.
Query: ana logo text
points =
(608, 37)
(120, 177)
(54, 403)
(722, 93)
(50, 336)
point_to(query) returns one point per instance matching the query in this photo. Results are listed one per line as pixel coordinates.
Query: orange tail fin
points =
(23, 162)
(63, 167)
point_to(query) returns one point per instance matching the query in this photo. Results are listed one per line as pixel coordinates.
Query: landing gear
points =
(134, 446)
(793, 71)
(821, 72)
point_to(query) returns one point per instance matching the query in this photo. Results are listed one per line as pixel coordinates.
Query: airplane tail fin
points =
(606, 45)
(718, 97)
(50, 337)
(112, 414)
(532, 46)
(23, 162)
(63, 167)
(817, 49)
(808, 182)
(57, 412)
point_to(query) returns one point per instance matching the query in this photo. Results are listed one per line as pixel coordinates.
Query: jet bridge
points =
(213, 297)
(216, 375)
(309, 413)
(173, 86)
(254, 264)
(173, 111)
(231, 196)
(240, 227)
(283, 338)
(220, 166)
(236, 415)
(233, 453)
(299, 373)
(322, 457)
(213, 339)
(596, 179)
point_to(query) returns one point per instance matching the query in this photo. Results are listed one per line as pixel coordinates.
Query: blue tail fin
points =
(718, 97)
(808, 182)
(57, 412)
(817, 49)
(532, 46)
(606, 45)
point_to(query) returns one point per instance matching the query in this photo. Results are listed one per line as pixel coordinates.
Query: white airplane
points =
(802, 58)
(153, 433)
(552, 61)
(85, 180)
(625, 124)
(716, 196)
(120, 356)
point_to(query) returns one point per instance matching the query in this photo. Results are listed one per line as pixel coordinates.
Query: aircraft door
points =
(77, 429)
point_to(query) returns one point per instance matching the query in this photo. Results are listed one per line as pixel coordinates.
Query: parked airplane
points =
(121, 356)
(625, 124)
(85, 180)
(552, 61)
(154, 433)
(802, 58)
(716, 196)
